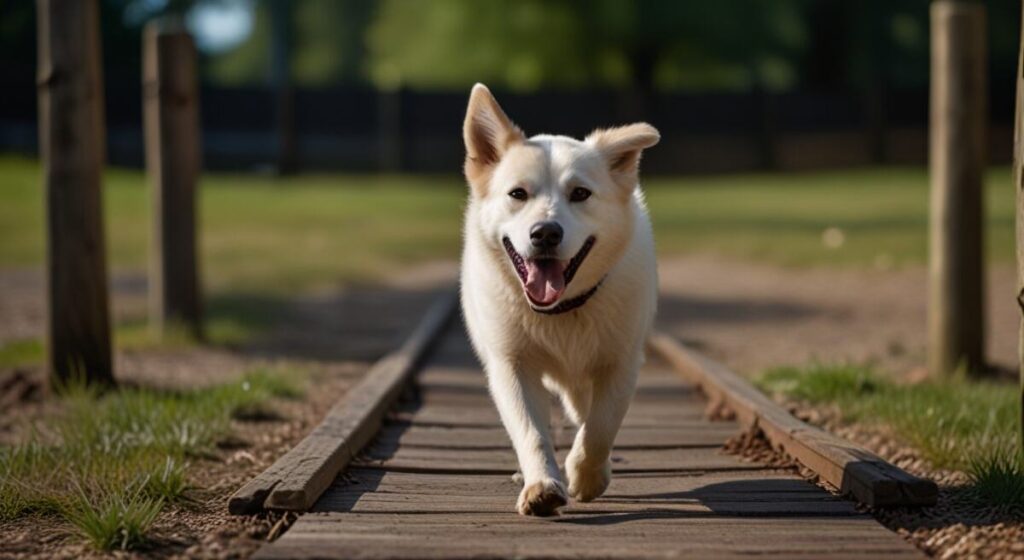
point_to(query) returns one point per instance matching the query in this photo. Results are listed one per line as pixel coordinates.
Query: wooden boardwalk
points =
(437, 483)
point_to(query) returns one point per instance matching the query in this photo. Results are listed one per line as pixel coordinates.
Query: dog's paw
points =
(588, 483)
(542, 498)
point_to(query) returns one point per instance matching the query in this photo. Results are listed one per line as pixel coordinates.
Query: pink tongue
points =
(545, 280)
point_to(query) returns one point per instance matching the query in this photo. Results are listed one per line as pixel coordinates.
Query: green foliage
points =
(970, 426)
(107, 463)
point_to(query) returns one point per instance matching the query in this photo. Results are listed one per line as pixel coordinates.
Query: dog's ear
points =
(621, 148)
(488, 134)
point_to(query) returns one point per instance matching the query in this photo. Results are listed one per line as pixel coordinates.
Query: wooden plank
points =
(958, 138)
(503, 461)
(777, 504)
(71, 144)
(677, 436)
(171, 111)
(485, 415)
(759, 492)
(641, 487)
(297, 479)
(849, 467)
(640, 534)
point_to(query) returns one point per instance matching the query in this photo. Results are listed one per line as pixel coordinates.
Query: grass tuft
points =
(998, 477)
(958, 424)
(114, 517)
(109, 462)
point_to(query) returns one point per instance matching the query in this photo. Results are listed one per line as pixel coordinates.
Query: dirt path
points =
(753, 316)
(750, 315)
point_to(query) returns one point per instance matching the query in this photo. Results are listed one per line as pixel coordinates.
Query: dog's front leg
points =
(524, 406)
(588, 466)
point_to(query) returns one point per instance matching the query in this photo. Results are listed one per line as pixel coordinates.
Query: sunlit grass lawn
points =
(108, 464)
(284, 234)
(971, 426)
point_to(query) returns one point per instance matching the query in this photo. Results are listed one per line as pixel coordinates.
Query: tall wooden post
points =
(1018, 182)
(173, 164)
(957, 161)
(71, 142)
(281, 81)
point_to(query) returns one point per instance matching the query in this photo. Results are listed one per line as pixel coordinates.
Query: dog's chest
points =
(569, 344)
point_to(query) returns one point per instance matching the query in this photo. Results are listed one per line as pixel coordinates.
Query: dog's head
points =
(558, 210)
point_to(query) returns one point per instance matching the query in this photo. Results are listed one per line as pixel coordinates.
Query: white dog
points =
(559, 286)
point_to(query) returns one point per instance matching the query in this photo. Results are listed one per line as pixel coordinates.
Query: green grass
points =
(107, 464)
(135, 336)
(971, 426)
(881, 213)
(276, 235)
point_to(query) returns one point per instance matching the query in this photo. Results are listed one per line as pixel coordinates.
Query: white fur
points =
(590, 356)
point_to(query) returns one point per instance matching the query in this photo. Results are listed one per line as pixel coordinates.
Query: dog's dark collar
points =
(570, 304)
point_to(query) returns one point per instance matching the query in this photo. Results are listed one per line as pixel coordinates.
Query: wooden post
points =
(957, 162)
(281, 81)
(71, 143)
(1018, 182)
(389, 129)
(173, 164)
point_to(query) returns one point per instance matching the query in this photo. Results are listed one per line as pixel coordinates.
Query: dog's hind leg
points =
(524, 406)
(588, 466)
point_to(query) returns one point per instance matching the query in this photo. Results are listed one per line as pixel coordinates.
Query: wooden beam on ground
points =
(171, 102)
(298, 478)
(957, 164)
(71, 143)
(852, 469)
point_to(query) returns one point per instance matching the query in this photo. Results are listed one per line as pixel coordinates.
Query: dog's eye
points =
(518, 193)
(579, 194)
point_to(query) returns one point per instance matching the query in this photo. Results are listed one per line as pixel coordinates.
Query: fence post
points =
(957, 160)
(391, 154)
(71, 143)
(171, 117)
(1018, 183)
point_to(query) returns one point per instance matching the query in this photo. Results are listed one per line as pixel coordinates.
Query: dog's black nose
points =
(546, 235)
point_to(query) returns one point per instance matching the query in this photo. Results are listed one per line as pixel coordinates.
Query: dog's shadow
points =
(763, 498)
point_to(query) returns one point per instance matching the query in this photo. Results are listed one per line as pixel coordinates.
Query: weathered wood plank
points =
(482, 415)
(758, 492)
(677, 436)
(642, 487)
(851, 468)
(503, 461)
(297, 479)
(623, 535)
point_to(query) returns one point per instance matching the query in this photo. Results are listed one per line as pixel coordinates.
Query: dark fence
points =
(362, 129)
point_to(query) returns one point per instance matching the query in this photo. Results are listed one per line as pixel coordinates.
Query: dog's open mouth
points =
(545, 279)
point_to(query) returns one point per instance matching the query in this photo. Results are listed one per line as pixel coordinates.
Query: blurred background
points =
(362, 85)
